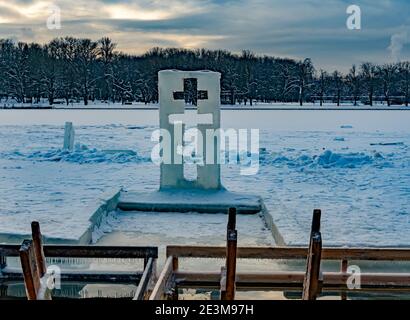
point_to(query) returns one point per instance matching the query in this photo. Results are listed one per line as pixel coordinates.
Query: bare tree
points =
(17, 72)
(303, 78)
(337, 80)
(322, 85)
(81, 69)
(368, 74)
(248, 75)
(387, 74)
(353, 82)
(404, 82)
(107, 55)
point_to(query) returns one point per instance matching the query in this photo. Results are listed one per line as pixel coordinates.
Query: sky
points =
(297, 29)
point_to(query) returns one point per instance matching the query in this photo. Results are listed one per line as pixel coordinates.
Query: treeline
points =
(74, 70)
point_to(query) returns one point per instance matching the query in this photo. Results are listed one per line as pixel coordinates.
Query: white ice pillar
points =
(69, 136)
(171, 99)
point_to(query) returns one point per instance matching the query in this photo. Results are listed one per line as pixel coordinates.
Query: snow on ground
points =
(354, 165)
(198, 229)
(256, 105)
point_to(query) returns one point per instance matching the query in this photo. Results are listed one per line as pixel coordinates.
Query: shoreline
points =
(222, 108)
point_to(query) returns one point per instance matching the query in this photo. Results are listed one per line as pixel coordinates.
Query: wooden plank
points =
(231, 219)
(331, 280)
(160, 286)
(222, 290)
(38, 249)
(371, 254)
(343, 269)
(317, 214)
(10, 274)
(311, 280)
(76, 251)
(175, 263)
(311, 287)
(143, 284)
(375, 254)
(30, 272)
(3, 262)
(231, 265)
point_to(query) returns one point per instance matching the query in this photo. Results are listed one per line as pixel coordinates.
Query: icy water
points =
(354, 165)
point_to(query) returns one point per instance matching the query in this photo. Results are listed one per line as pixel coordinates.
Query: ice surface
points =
(81, 154)
(362, 184)
(187, 228)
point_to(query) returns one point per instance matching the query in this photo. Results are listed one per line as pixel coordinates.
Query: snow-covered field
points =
(354, 165)
(255, 106)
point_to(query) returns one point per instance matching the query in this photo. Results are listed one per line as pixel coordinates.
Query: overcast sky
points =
(285, 28)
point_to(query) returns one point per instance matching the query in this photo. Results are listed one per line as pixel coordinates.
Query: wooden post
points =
(3, 262)
(3, 291)
(343, 269)
(175, 264)
(311, 283)
(231, 219)
(222, 283)
(30, 272)
(231, 264)
(317, 214)
(38, 249)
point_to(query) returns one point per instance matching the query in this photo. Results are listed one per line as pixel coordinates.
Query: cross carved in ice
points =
(174, 118)
(186, 118)
(189, 119)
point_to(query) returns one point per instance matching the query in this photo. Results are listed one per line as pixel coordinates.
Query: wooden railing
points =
(284, 280)
(311, 282)
(33, 254)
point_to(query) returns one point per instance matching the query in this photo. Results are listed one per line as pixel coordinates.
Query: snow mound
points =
(81, 155)
(327, 159)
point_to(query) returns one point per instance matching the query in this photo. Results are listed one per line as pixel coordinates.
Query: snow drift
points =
(327, 159)
(81, 155)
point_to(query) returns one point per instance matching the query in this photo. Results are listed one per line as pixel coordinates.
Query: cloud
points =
(294, 28)
(397, 43)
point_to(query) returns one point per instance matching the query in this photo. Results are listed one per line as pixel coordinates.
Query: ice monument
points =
(172, 104)
(205, 194)
(69, 135)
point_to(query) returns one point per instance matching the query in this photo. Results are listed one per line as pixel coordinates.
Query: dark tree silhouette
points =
(73, 70)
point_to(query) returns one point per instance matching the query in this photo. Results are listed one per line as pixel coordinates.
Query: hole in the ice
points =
(191, 94)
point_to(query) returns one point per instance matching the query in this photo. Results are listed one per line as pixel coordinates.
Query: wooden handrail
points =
(80, 251)
(145, 279)
(160, 286)
(294, 279)
(272, 253)
(312, 281)
(38, 248)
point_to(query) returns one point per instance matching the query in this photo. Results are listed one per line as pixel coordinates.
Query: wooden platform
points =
(189, 201)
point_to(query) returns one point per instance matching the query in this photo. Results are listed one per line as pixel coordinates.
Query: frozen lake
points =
(354, 165)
